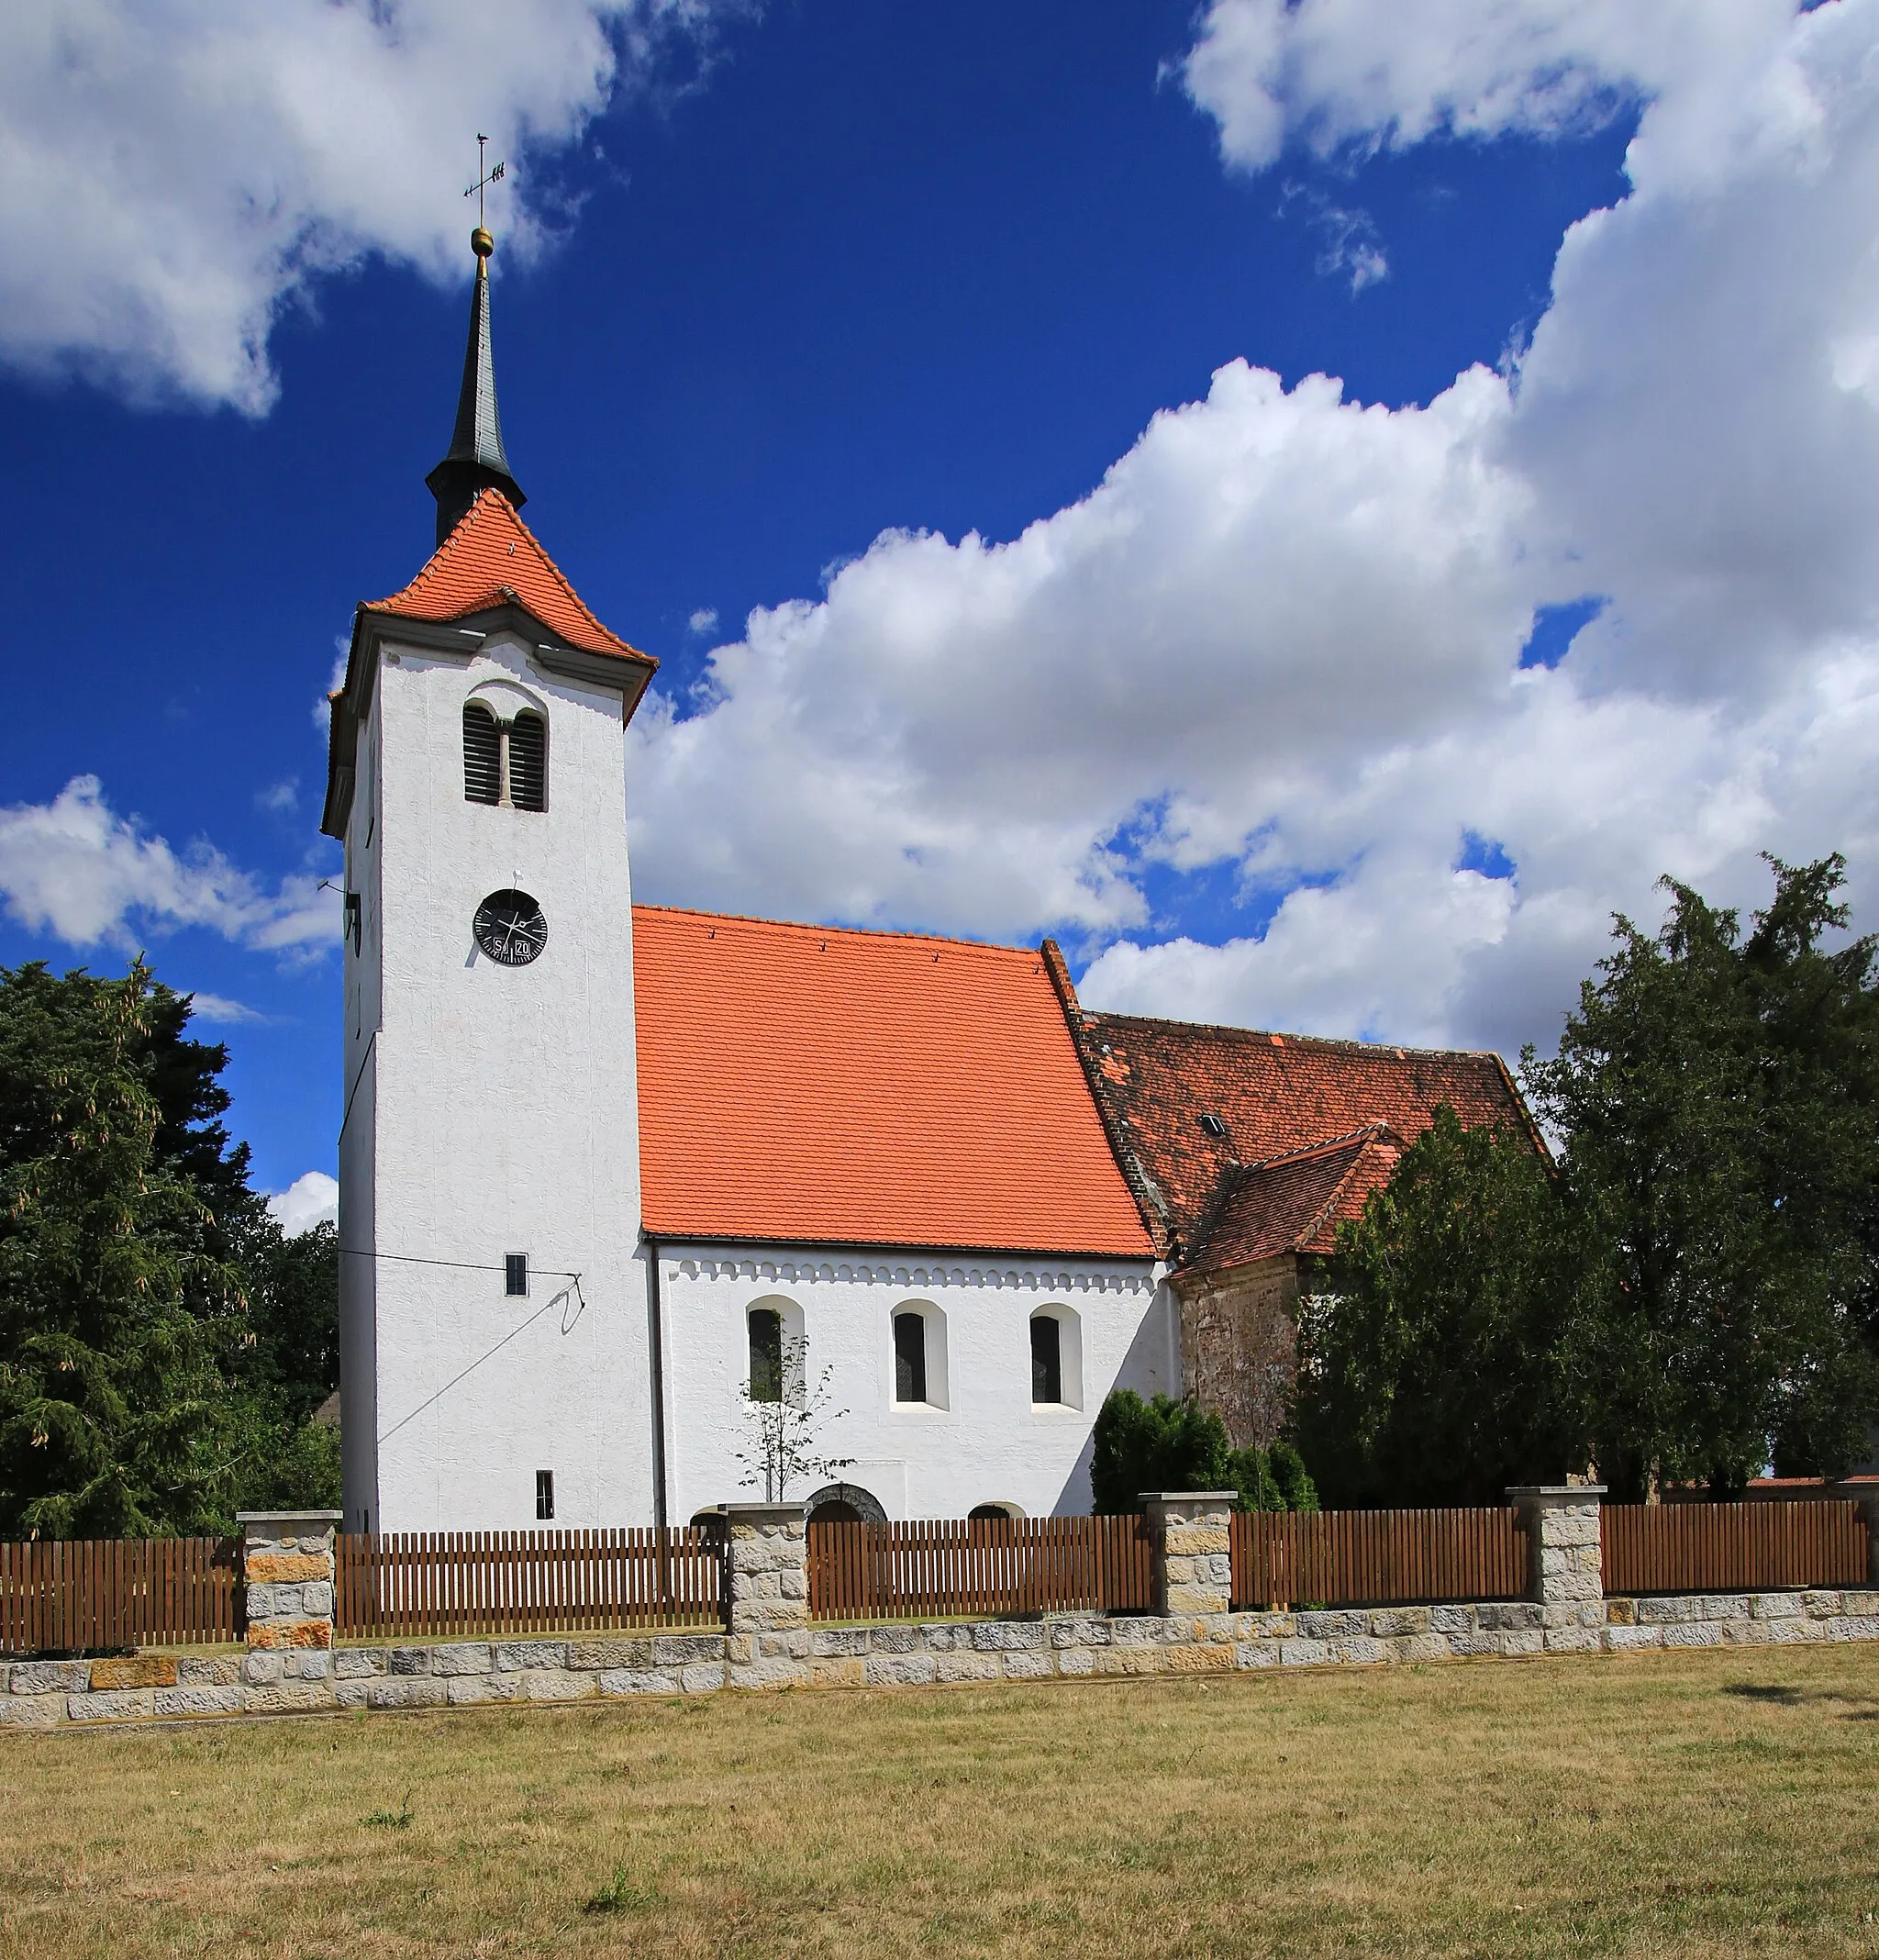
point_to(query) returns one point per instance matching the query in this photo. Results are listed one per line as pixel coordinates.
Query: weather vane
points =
(482, 181)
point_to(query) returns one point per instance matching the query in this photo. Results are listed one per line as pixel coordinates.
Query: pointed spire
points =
(476, 457)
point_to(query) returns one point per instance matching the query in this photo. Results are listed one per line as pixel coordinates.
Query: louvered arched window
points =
(483, 762)
(527, 736)
(504, 763)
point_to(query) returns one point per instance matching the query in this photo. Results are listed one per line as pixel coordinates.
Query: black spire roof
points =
(476, 456)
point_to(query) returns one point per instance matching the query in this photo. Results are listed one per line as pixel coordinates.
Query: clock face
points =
(510, 927)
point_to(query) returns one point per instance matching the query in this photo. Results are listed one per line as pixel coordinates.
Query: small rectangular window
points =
(515, 1274)
(1046, 1359)
(909, 1358)
(766, 1354)
(544, 1493)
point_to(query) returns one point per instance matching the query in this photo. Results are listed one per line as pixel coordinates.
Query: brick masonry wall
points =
(48, 1694)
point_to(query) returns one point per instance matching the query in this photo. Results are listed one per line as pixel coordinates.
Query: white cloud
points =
(278, 797)
(313, 1198)
(76, 869)
(1281, 638)
(216, 1009)
(175, 173)
(705, 620)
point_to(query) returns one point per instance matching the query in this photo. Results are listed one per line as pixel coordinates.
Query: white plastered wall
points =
(989, 1445)
(495, 1111)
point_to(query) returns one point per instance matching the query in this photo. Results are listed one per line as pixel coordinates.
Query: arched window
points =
(527, 736)
(482, 762)
(766, 1354)
(909, 1358)
(1056, 1358)
(919, 1356)
(504, 763)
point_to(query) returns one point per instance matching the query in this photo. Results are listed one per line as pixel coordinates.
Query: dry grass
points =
(1712, 1804)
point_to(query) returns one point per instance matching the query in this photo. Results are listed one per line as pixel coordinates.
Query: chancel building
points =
(603, 1166)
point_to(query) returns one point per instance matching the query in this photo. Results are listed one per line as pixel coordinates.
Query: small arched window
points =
(504, 763)
(1046, 1359)
(909, 1358)
(766, 1354)
(482, 760)
(527, 736)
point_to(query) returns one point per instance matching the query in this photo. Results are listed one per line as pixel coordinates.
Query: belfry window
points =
(483, 764)
(504, 763)
(909, 1358)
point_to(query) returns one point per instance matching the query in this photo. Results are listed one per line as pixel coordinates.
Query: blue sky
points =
(1355, 718)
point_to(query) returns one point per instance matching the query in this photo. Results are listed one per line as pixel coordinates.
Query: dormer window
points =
(504, 763)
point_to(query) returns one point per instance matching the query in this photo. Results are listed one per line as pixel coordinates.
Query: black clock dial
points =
(510, 927)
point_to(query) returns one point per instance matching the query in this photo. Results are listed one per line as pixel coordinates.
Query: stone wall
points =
(1239, 1346)
(46, 1693)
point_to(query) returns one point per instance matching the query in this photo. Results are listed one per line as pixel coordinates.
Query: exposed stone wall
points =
(1194, 1549)
(1239, 1346)
(766, 1583)
(45, 1694)
(287, 1574)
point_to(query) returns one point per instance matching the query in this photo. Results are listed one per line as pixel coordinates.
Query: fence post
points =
(1190, 1533)
(1565, 1551)
(766, 1568)
(287, 1574)
(1869, 1513)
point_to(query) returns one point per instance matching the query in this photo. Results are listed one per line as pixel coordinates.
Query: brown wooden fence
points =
(1693, 1548)
(999, 1567)
(1377, 1558)
(416, 1584)
(75, 1595)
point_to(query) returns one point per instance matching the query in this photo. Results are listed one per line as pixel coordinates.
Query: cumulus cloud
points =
(1280, 642)
(175, 173)
(218, 1010)
(313, 1198)
(76, 869)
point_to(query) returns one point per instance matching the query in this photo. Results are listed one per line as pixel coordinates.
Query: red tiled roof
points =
(1295, 1203)
(1273, 1093)
(808, 1083)
(492, 559)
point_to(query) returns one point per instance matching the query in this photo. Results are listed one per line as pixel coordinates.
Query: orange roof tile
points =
(1295, 1203)
(807, 1084)
(491, 559)
(1273, 1093)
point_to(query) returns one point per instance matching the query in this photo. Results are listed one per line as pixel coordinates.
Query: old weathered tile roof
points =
(808, 1084)
(1294, 1203)
(1266, 1095)
(492, 559)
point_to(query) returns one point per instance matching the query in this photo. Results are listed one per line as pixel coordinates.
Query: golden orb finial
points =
(481, 243)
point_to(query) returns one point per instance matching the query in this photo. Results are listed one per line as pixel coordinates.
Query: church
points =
(617, 1182)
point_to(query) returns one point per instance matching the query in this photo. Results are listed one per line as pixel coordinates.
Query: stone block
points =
(464, 1691)
(1076, 1660)
(50, 1677)
(198, 1701)
(354, 1663)
(1451, 1619)
(1693, 1633)
(1723, 1605)
(1511, 1616)
(1575, 1640)
(966, 1665)
(1749, 1633)
(409, 1691)
(1821, 1605)
(1005, 1635)
(1138, 1631)
(279, 1567)
(1424, 1647)
(1863, 1605)
(1337, 1625)
(1622, 1612)
(1796, 1633)
(1362, 1651)
(32, 1711)
(1132, 1660)
(466, 1658)
(1390, 1622)
(1523, 1640)
(312, 1664)
(134, 1670)
(555, 1683)
(1621, 1638)
(591, 1655)
(1666, 1612)
(276, 1633)
(208, 1670)
(849, 1672)
(792, 1644)
(1202, 1658)
(351, 1694)
(316, 1599)
(288, 1697)
(1256, 1654)
(894, 1640)
(517, 1656)
(702, 1678)
(840, 1641)
(410, 1661)
(123, 1704)
(769, 1676)
(1853, 1625)
(1306, 1652)
(942, 1639)
(1023, 1666)
(637, 1681)
(259, 1668)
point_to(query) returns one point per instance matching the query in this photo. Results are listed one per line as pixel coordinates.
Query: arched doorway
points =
(845, 1504)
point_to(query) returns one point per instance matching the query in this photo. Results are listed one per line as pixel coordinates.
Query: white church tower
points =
(495, 1360)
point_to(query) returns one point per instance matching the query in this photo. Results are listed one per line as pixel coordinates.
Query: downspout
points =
(656, 1347)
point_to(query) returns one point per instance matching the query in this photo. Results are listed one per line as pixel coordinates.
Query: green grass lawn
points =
(1700, 1804)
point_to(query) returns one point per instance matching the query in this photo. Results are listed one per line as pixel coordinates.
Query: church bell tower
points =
(494, 1355)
